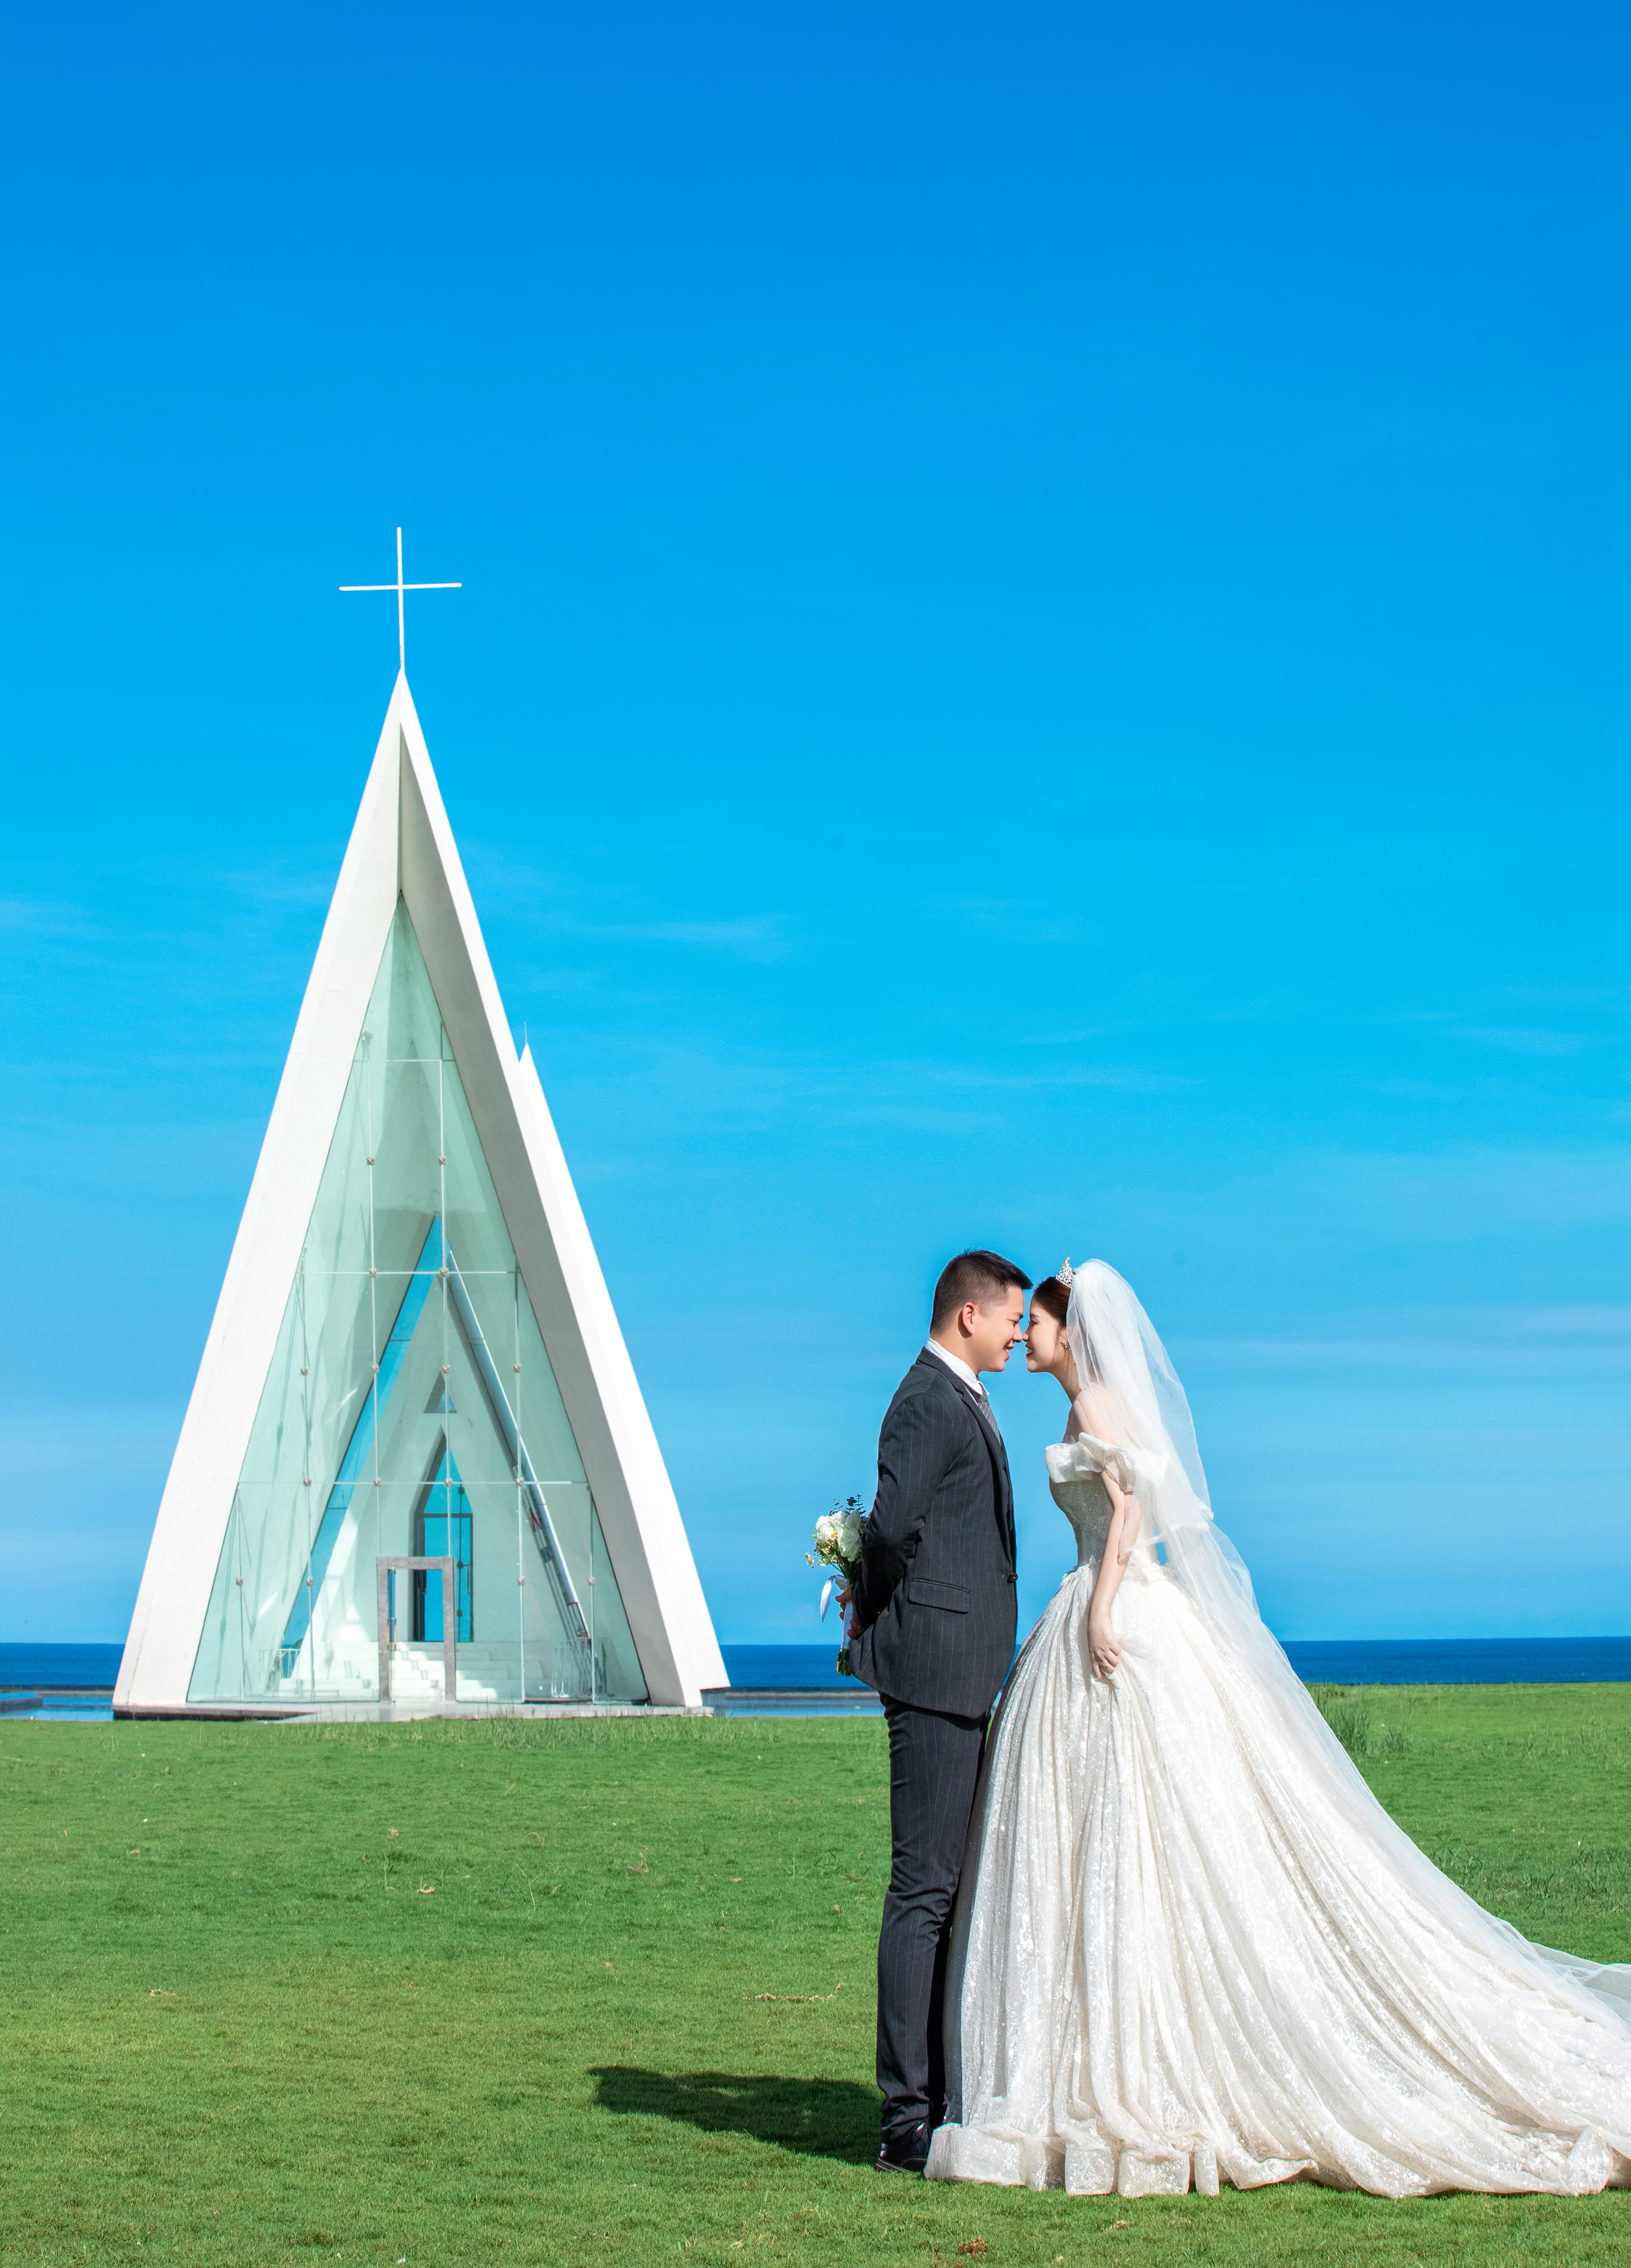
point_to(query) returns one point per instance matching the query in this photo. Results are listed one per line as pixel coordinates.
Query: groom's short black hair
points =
(982, 1277)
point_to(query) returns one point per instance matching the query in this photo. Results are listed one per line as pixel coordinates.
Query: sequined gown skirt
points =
(1193, 1948)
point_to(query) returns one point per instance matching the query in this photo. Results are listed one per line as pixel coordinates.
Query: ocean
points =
(77, 1681)
(1317, 1661)
(58, 1681)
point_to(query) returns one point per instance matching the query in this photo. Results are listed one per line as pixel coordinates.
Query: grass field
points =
(583, 1994)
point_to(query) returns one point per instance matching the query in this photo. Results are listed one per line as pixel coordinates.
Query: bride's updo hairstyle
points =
(1052, 1298)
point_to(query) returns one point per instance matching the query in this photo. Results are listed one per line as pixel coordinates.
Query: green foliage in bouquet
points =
(837, 1544)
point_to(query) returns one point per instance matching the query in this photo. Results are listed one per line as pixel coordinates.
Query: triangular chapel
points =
(415, 1465)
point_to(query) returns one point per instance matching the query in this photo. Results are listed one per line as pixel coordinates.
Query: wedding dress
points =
(1191, 1945)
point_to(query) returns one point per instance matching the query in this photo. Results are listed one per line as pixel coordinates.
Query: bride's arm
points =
(1104, 1645)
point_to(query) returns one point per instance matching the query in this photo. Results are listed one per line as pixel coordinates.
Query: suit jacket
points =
(935, 1599)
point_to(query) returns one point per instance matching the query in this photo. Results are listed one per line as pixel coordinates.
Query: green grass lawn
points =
(603, 1992)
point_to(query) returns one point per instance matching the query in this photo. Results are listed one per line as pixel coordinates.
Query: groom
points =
(933, 1621)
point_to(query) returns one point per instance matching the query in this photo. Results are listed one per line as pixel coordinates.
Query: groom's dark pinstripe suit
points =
(935, 1603)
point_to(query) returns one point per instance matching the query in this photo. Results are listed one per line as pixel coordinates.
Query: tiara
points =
(1067, 1276)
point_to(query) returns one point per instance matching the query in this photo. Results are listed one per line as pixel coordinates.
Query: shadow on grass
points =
(819, 2118)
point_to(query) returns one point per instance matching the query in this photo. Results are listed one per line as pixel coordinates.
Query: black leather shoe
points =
(905, 2151)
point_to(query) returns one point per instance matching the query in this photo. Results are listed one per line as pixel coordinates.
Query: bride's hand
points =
(1103, 1647)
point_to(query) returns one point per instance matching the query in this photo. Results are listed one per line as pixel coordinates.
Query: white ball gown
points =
(1191, 1947)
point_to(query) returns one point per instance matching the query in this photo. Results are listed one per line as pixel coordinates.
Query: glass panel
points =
(489, 1663)
(542, 1413)
(410, 1411)
(442, 1530)
(616, 1665)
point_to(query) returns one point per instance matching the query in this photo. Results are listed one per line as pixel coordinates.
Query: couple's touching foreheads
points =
(1147, 1928)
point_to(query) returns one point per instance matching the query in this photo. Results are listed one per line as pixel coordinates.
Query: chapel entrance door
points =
(399, 1610)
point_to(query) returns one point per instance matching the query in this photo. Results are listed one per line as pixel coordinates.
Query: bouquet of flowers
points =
(837, 1544)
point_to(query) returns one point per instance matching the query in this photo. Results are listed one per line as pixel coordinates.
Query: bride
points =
(1191, 1945)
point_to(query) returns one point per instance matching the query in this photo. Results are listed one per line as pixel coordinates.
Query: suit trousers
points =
(933, 1767)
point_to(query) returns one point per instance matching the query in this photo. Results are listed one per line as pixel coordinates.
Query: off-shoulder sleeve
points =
(1075, 1461)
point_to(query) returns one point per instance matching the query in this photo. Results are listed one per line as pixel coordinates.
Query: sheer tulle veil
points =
(1131, 1398)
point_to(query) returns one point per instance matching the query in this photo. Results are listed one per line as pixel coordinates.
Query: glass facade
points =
(410, 1411)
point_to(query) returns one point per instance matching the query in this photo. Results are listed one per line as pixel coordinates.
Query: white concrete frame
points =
(402, 841)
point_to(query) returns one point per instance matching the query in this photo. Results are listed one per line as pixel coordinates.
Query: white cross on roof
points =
(399, 587)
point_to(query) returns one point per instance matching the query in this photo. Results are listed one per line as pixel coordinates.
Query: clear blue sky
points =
(1043, 661)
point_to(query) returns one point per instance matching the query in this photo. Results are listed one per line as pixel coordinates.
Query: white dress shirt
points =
(958, 1368)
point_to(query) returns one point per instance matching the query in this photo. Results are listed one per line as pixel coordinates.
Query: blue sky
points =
(1042, 662)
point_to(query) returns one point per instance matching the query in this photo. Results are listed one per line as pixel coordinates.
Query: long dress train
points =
(1193, 1947)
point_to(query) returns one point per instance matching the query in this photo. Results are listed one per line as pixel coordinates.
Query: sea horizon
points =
(69, 1678)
